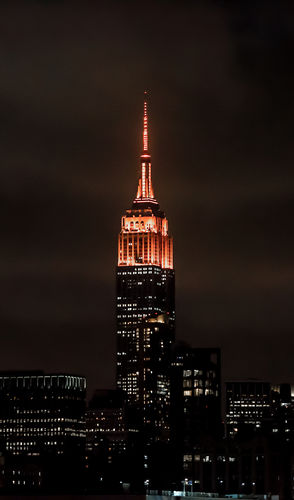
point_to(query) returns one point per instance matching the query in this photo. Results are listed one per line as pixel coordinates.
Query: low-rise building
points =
(42, 430)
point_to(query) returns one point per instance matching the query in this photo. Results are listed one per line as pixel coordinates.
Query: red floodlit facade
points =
(144, 238)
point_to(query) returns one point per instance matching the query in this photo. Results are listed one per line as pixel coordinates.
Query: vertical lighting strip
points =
(149, 181)
(143, 180)
(145, 125)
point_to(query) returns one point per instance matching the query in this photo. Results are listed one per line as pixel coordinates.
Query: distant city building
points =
(107, 448)
(257, 458)
(106, 411)
(195, 403)
(253, 405)
(260, 422)
(155, 339)
(248, 466)
(42, 430)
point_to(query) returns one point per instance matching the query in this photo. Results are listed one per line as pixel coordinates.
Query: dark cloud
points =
(71, 83)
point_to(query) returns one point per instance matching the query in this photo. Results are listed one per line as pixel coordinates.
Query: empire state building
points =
(145, 307)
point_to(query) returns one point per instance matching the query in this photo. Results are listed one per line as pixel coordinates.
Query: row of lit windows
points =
(200, 392)
(27, 421)
(237, 405)
(188, 373)
(197, 383)
(197, 373)
(43, 382)
(207, 458)
(135, 304)
(30, 430)
(42, 410)
(141, 270)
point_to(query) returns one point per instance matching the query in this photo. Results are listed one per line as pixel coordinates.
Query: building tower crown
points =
(145, 193)
(144, 238)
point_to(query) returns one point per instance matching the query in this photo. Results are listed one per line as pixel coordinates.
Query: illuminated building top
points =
(144, 239)
(145, 192)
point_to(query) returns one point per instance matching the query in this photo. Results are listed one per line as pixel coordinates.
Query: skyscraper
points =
(145, 308)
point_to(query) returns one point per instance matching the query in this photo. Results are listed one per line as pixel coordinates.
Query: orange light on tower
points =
(145, 189)
(145, 124)
(144, 238)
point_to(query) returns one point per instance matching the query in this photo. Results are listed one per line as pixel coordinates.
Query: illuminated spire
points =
(144, 238)
(145, 189)
(145, 124)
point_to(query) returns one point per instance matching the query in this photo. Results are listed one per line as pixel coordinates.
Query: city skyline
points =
(222, 150)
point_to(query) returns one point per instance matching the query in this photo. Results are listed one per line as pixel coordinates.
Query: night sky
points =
(221, 79)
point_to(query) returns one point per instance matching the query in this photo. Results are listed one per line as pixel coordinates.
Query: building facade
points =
(42, 430)
(260, 421)
(259, 406)
(242, 467)
(195, 405)
(107, 450)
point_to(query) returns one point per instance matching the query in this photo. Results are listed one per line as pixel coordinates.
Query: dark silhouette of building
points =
(262, 412)
(42, 431)
(257, 406)
(195, 405)
(155, 339)
(240, 466)
(107, 445)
